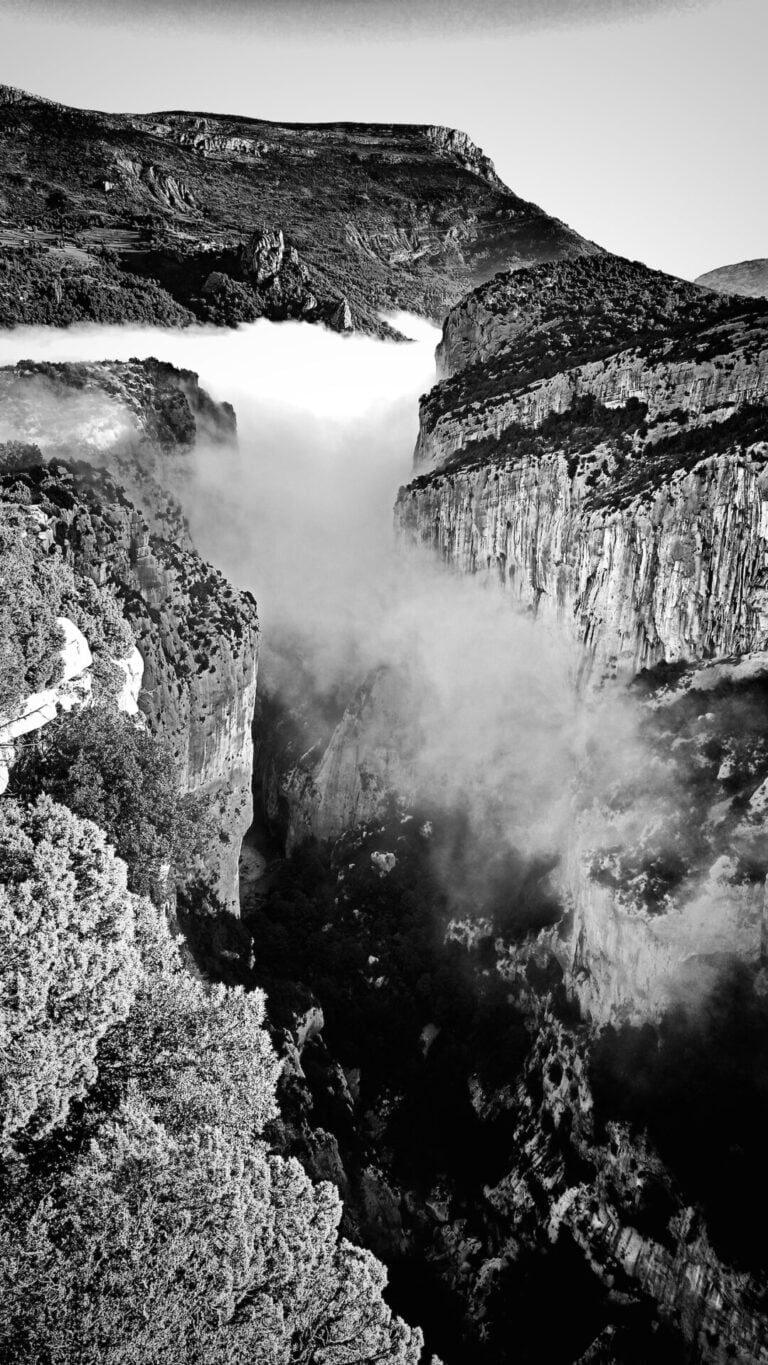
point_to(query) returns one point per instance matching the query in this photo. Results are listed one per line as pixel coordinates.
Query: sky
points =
(641, 123)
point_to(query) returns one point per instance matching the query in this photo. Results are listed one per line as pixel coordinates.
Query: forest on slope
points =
(144, 1214)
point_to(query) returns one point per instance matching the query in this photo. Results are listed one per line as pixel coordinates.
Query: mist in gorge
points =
(383, 695)
(472, 707)
(299, 512)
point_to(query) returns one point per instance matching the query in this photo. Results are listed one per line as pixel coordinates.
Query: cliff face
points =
(621, 493)
(173, 216)
(197, 636)
(622, 499)
(610, 1194)
(675, 572)
(366, 763)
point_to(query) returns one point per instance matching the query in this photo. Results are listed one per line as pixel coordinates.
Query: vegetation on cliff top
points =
(37, 587)
(549, 318)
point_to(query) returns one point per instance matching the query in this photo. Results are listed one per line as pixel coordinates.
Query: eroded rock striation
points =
(622, 492)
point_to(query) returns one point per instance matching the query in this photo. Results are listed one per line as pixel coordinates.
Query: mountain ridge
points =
(225, 219)
(748, 278)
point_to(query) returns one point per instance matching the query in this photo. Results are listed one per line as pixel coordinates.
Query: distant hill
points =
(747, 277)
(175, 217)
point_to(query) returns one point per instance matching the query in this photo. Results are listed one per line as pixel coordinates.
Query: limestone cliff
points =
(197, 637)
(366, 763)
(675, 571)
(622, 492)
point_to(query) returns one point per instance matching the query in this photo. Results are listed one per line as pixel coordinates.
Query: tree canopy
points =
(69, 967)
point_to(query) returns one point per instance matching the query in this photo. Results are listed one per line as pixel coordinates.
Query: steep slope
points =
(173, 216)
(749, 278)
(597, 442)
(197, 636)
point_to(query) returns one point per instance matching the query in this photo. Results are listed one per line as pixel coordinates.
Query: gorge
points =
(493, 915)
(498, 794)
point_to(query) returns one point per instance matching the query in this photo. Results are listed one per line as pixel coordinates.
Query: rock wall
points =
(366, 763)
(197, 637)
(705, 391)
(680, 572)
(604, 1200)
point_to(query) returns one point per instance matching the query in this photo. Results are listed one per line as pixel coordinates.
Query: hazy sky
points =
(640, 122)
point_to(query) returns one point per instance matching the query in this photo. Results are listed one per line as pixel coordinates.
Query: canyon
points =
(509, 905)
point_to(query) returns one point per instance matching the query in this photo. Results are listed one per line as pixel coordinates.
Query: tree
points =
(196, 1250)
(36, 587)
(30, 594)
(110, 770)
(199, 1052)
(69, 967)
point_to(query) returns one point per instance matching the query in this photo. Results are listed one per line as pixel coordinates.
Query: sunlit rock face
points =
(675, 571)
(619, 489)
(197, 637)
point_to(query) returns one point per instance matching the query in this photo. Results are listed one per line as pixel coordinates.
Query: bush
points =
(36, 587)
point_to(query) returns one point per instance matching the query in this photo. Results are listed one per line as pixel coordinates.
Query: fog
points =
(480, 707)
(301, 515)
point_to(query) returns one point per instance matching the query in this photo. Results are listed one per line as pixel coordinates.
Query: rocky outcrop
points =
(454, 143)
